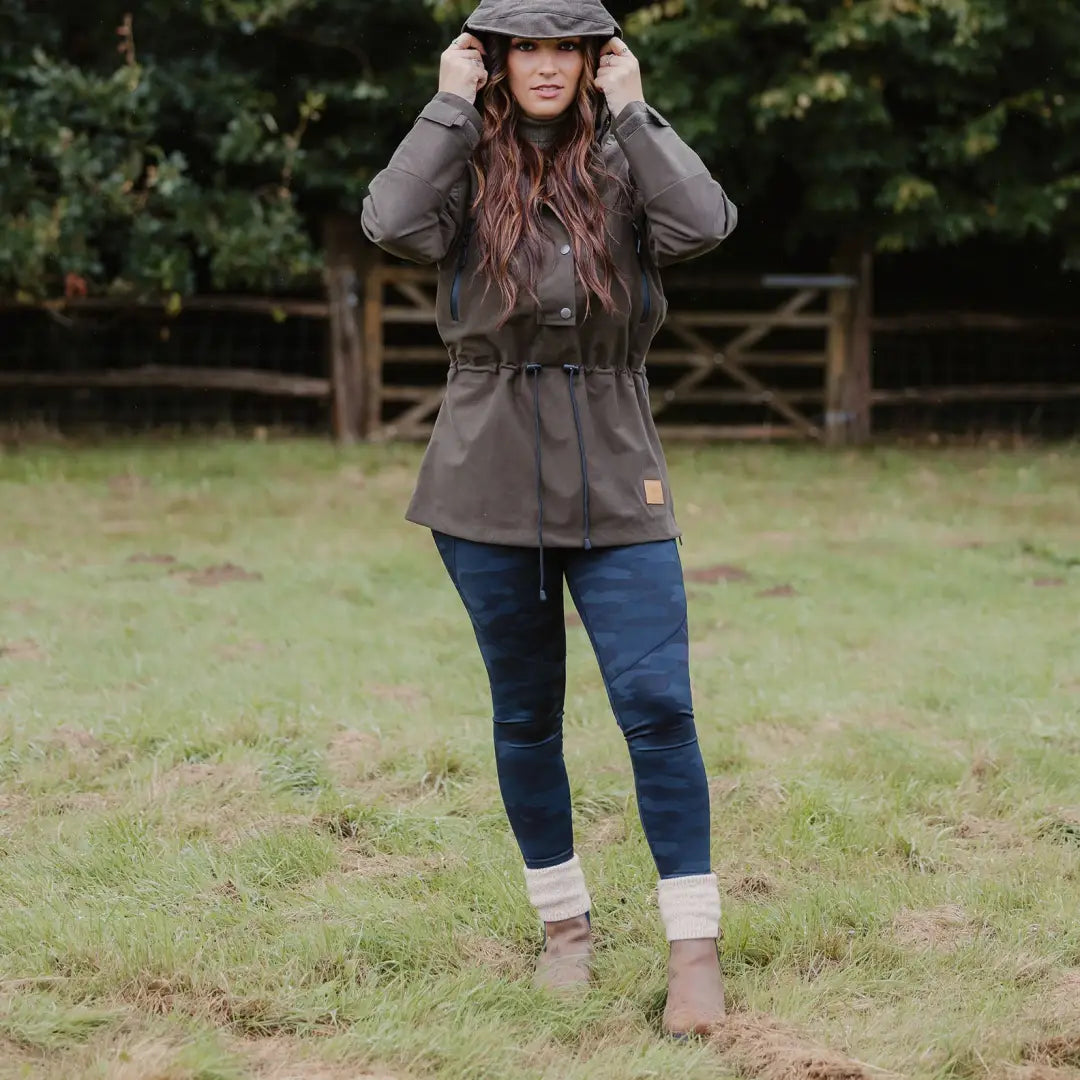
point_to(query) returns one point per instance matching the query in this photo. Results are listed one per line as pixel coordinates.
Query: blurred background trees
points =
(197, 145)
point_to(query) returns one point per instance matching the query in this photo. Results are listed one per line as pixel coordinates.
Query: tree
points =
(198, 145)
(900, 124)
(195, 146)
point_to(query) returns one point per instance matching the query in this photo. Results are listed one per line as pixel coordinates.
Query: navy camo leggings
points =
(633, 606)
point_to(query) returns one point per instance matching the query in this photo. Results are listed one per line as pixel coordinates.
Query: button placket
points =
(567, 280)
(559, 301)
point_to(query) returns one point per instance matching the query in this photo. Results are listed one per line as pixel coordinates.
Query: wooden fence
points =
(788, 355)
(706, 369)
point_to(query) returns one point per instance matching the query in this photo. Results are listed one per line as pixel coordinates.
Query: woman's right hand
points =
(462, 70)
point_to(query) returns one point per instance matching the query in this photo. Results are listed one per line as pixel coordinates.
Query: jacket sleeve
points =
(686, 211)
(409, 210)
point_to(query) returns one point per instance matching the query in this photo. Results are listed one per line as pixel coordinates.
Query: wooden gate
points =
(700, 358)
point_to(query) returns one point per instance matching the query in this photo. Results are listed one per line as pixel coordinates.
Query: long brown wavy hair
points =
(514, 179)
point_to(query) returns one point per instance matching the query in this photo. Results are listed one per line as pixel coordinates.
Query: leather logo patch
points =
(654, 493)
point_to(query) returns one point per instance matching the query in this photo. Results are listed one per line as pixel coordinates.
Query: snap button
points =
(566, 313)
(565, 249)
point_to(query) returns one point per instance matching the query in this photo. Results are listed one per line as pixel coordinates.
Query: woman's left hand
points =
(619, 76)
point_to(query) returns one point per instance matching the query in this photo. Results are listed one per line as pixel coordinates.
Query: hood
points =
(543, 19)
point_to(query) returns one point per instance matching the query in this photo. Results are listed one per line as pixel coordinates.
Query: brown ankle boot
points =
(564, 964)
(695, 1002)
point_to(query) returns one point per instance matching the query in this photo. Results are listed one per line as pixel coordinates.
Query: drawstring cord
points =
(534, 371)
(572, 370)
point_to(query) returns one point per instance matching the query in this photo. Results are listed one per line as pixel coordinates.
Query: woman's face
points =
(544, 74)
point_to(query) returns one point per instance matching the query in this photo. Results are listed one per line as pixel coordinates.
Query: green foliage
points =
(198, 145)
(202, 152)
(912, 122)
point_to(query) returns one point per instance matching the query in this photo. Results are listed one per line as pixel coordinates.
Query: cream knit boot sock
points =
(558, 892)
(690, 907)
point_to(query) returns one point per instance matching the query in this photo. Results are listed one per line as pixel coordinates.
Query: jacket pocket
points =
(459, 269)
(646, 291)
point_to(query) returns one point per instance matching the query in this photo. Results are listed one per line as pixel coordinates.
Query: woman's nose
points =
(548, 63)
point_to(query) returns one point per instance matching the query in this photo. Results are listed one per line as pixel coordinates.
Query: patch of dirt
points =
(76, 741)
(353, 476)
(242, 650)
(233, 824)
(1062, 826)
(148, 1059)
(496, 957)
(152, 559)
(353, 755)
(762, 794)
(747, 886)
(1048, 582)
(21, 650)
(18, 1055)
(399, 692)
(285, 1059)
(945, 928)
(775, 536)
(127, 484)
(156, 994)
(991, 831)
(604, 833)
(1034, 1072)
(392, 479)
(362, 862)
(707, 648)
(222, 575)
(710, 575)
(208, 775)
(612, 1031)
(23, 607)
(1055, 1050)
(160, 995)
(83, 802)
(777, 591)
(767, 743)
(1063, 1001)
(764, 1048)
(983, 766)
(1030, 970)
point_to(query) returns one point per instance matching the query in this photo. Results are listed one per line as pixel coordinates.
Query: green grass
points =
(249, 825)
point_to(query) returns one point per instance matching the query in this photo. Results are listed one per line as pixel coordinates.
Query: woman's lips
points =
(547, 91)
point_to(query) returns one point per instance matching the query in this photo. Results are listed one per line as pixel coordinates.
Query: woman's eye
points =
(530, 46)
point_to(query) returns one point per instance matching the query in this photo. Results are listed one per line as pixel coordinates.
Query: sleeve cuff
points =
(637, 114)
(452, 110)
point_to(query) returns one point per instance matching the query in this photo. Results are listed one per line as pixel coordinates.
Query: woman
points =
(549, 211)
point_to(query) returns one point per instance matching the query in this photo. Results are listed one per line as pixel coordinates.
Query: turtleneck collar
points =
(542, 133)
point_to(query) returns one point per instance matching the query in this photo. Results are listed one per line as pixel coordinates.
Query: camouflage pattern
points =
(632, 603)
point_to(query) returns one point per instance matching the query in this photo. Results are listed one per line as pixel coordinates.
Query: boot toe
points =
(562, 974)
(695, 1003)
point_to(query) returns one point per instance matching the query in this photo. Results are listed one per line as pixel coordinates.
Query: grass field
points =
(249, 825)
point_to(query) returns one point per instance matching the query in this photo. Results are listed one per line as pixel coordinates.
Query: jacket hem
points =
(526, 537)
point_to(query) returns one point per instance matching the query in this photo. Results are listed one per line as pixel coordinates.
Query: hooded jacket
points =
(542, 19)
(545, 436)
